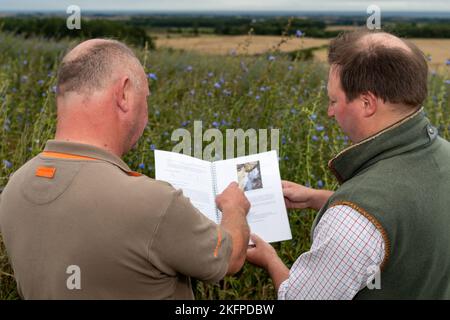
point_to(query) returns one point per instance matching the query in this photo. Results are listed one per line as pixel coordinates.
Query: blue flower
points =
(315, 138)
(40, 82)
(447, 62)
(257, 97)
(283, 140)
(293, 111)
(286, 158)
(326, 138)
(217, 85)
(447, 81)
(157, 113)
(152, 76)
(210, 74)
(320, 184)
(185, 123)
(313, 117)
(290, 68)
(224, 122)
(7, 164)
(54, 89)
(271, 58)
(25, 62)
(141, 166)
(152, 147)
(319, 127)
(192, 92)
(215, 124)
(188, 68)
(24, 78)
(299, 33)
(227, 92)
(209, 94)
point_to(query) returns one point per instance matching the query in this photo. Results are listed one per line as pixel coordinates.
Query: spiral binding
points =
(215, 192)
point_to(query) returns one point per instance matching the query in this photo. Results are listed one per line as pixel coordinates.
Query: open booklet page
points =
(259, 176)
(190, 174)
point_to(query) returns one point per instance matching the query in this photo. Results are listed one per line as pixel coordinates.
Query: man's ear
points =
(123, 93)
(369, 103)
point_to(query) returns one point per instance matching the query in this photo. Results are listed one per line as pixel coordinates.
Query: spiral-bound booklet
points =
(258, 175)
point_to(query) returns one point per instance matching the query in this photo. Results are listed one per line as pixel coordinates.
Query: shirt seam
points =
(67, 188)
(155, 231)
(94, 160)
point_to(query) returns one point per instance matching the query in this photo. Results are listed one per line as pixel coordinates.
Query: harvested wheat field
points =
(238, 44)
(437, 49)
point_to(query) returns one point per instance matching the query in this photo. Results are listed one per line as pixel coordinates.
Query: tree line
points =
(56, 28)
(135, 30)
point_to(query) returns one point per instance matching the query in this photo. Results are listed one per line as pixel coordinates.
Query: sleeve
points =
(347, 248)
(189, 243)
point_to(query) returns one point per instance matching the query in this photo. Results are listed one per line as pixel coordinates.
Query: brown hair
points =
(391, 73)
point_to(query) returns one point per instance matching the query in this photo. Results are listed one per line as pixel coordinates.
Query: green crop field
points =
(264, 92)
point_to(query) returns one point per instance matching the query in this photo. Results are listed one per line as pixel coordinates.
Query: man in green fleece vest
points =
(384, 234)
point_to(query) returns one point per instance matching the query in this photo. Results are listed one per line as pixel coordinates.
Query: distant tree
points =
(55, 27)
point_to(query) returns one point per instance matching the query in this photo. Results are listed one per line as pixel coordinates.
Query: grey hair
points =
(92, 69)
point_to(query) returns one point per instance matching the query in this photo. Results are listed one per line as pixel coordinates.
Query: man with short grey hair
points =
(78, 223)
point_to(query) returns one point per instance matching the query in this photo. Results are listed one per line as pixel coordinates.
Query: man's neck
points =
(387, 121)
(110, 147)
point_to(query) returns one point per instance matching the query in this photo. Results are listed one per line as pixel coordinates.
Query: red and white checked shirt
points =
(346, 250)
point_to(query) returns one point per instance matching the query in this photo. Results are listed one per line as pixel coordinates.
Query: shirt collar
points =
(86, 150)
(409, 133)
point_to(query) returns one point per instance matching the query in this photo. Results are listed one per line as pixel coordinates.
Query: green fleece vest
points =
(400, 180)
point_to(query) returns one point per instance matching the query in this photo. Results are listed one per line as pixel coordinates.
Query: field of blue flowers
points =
(260, 92)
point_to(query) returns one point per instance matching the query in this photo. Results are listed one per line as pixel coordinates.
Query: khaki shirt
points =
(77, 223)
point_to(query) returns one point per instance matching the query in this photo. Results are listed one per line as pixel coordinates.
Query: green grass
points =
(255, 92)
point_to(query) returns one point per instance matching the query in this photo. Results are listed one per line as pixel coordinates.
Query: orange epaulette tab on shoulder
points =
(45, 172)
(134, 174)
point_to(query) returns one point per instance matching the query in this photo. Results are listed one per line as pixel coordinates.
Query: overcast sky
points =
(230, 5)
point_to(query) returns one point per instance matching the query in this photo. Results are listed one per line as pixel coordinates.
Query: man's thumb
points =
(255, 239)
